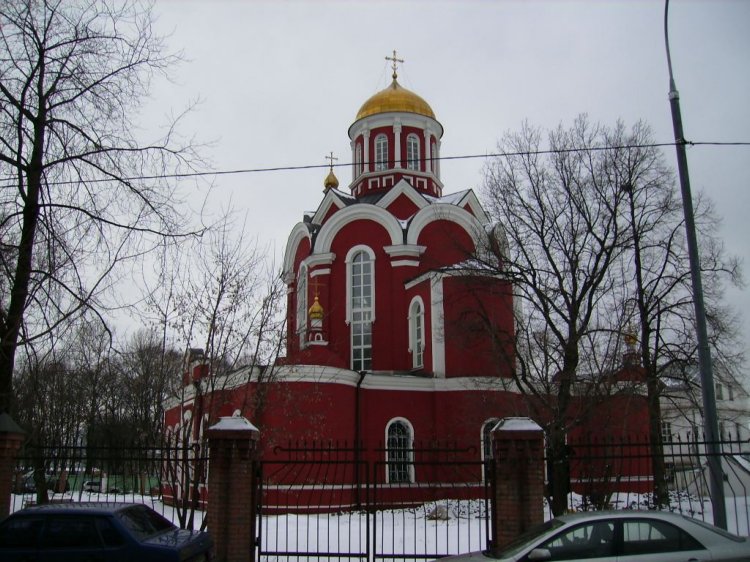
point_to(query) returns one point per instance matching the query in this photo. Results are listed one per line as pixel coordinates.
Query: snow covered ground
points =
(428, 531)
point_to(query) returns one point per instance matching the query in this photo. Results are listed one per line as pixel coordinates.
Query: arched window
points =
(399, 452)
(412, 152)
(358, 161)
(381, 153)
(302, 305)
(416, 333)
(360, 265)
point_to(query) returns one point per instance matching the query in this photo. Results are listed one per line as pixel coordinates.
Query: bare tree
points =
(79, 193)
(560, 213)
(223, 303)
(596, 254)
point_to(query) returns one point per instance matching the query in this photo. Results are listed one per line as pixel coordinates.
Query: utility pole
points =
(710, 421)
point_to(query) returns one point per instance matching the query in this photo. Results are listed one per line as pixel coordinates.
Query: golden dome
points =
(316, 310)
(395, 98)
(331, 181)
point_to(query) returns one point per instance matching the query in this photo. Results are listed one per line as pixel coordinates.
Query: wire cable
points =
(238, 171)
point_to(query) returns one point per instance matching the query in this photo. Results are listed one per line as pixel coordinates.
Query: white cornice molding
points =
(316, 260)
(388, 119)
(405, 250)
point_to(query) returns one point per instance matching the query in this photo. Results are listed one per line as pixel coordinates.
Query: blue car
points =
(110, 532)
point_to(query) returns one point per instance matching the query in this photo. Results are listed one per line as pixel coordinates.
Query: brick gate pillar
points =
(233, 444)
(518, 502)
(11, 439)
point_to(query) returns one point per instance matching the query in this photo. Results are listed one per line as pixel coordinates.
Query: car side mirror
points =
(540, 554)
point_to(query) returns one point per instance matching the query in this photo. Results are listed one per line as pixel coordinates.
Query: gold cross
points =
(331, 158)
(394, 60)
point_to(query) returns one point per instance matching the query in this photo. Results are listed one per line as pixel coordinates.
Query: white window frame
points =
(412, 152)
(381, 152)
(409, 457)
(416, 332)
(358, 160)
(360, 317)
(301, 325)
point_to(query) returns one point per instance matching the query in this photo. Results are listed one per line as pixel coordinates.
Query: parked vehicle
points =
(116, 532)
(637, 536)
(92, 486)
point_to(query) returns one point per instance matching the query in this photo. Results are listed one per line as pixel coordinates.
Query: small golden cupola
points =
(316, 311)
(395, 137)
(331, 181)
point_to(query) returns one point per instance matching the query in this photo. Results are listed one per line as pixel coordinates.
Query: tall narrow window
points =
(416, 333)
(302, 305)
(358, 160)
(399, 452)
(381, 153)
(412, 152)
(361, 309)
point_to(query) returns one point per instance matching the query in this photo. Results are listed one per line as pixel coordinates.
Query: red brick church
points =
(390, 341)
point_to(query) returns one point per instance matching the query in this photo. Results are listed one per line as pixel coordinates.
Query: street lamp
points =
(710, 422)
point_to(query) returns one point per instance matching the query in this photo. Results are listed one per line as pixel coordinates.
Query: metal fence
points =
(619, 475)
(170, 477)
(334, 502)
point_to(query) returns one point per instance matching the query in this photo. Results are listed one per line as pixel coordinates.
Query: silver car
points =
(621, 536)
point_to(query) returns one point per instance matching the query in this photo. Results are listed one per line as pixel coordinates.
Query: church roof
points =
(395, 98)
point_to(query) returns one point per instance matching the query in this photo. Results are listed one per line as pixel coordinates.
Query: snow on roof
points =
(517, 424)
(454, 198)
(233, 423)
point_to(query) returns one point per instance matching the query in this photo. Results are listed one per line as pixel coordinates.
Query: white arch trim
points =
(447, 212)
(300, 231)
(372, 213)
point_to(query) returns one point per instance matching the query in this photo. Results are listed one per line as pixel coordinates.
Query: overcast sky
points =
(280, 83)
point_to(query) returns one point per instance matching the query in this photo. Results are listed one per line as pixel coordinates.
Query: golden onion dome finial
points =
(331, 180)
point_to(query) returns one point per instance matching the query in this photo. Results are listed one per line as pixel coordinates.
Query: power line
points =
(347, 164)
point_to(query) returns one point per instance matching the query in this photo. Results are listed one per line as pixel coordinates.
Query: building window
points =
(399, 461)
(416, 333)
(412, 152)
(719, 391)
(666, 432)
(358, 160)
(302, 305)
(381, 153)
(361, 306)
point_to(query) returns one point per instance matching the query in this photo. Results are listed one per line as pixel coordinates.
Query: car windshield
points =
(144, 523)
(513, 547)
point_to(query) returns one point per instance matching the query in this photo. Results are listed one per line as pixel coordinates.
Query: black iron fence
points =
(607, 474)
(170, 477)
(340, 502)
(328, 501)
